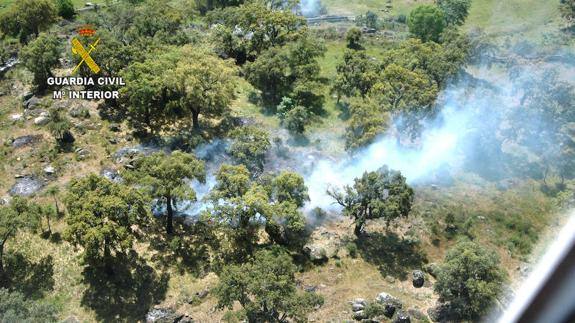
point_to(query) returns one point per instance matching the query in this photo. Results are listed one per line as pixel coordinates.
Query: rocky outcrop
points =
(26, 140)
(357, 307)
(322, 245)
(166, 315)
(26, 186)
(390, 303)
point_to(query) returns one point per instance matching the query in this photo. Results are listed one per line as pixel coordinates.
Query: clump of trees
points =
(246, 31)
(27, 18)
(380, 194)
(405, 81)
(289, 71)
(265, 287)
(242, 206)
(469, 279)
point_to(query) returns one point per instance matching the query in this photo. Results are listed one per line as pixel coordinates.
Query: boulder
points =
(359, 315)
(418, 278)
(26, 140)
(356, 307)
(390, 303)
(402, 317)
(49, 170)
(164, 315)
(32, 103)
(42, 119)
(26, 186)
(323, 244)
(81, 153)
(16, 117)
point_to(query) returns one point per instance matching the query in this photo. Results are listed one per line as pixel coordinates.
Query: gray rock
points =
(390, 303)
(81, 153)
(418, 278)
(360, 315)
(32, 103)
(49, 170)
(110, 174)
(402, 317)
(41, 120)
(26, 140)
(27, 96)
(356, 307)
(16, 117)
(26, 186)
(310, 288)
(163, 315)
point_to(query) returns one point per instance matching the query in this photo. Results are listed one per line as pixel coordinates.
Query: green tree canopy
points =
(59, 126)
(354, 38)
(454, 11)
(28, 17)
(18, 215)
(250, 29)
(179, 85)
(101, 216)
(470, 278)
(14, 307)
(241, 204)
(40, 56)
(250, 146)
(65, 9)
(380, 194)
(426, 22)
(265, 287)
(292, 71)
(367, 120)
(164, 177)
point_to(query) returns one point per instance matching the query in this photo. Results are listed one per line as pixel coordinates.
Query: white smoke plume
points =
(466, 135)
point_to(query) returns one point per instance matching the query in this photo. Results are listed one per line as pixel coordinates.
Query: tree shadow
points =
(31, 279)
(393, 255)
(187, 250)
(127, 293)
(344, 111)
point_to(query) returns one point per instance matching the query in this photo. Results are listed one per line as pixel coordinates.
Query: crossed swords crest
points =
(78, 49)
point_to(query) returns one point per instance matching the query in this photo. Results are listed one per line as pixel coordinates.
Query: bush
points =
(426, 22)
(66, 9)
(470, 279)
(351, 249)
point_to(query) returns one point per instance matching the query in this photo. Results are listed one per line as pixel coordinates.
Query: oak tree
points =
(101, 218)
(380, 194)
(165, 177)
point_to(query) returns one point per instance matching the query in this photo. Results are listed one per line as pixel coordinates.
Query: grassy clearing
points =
(77, 3)
(354, 8)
